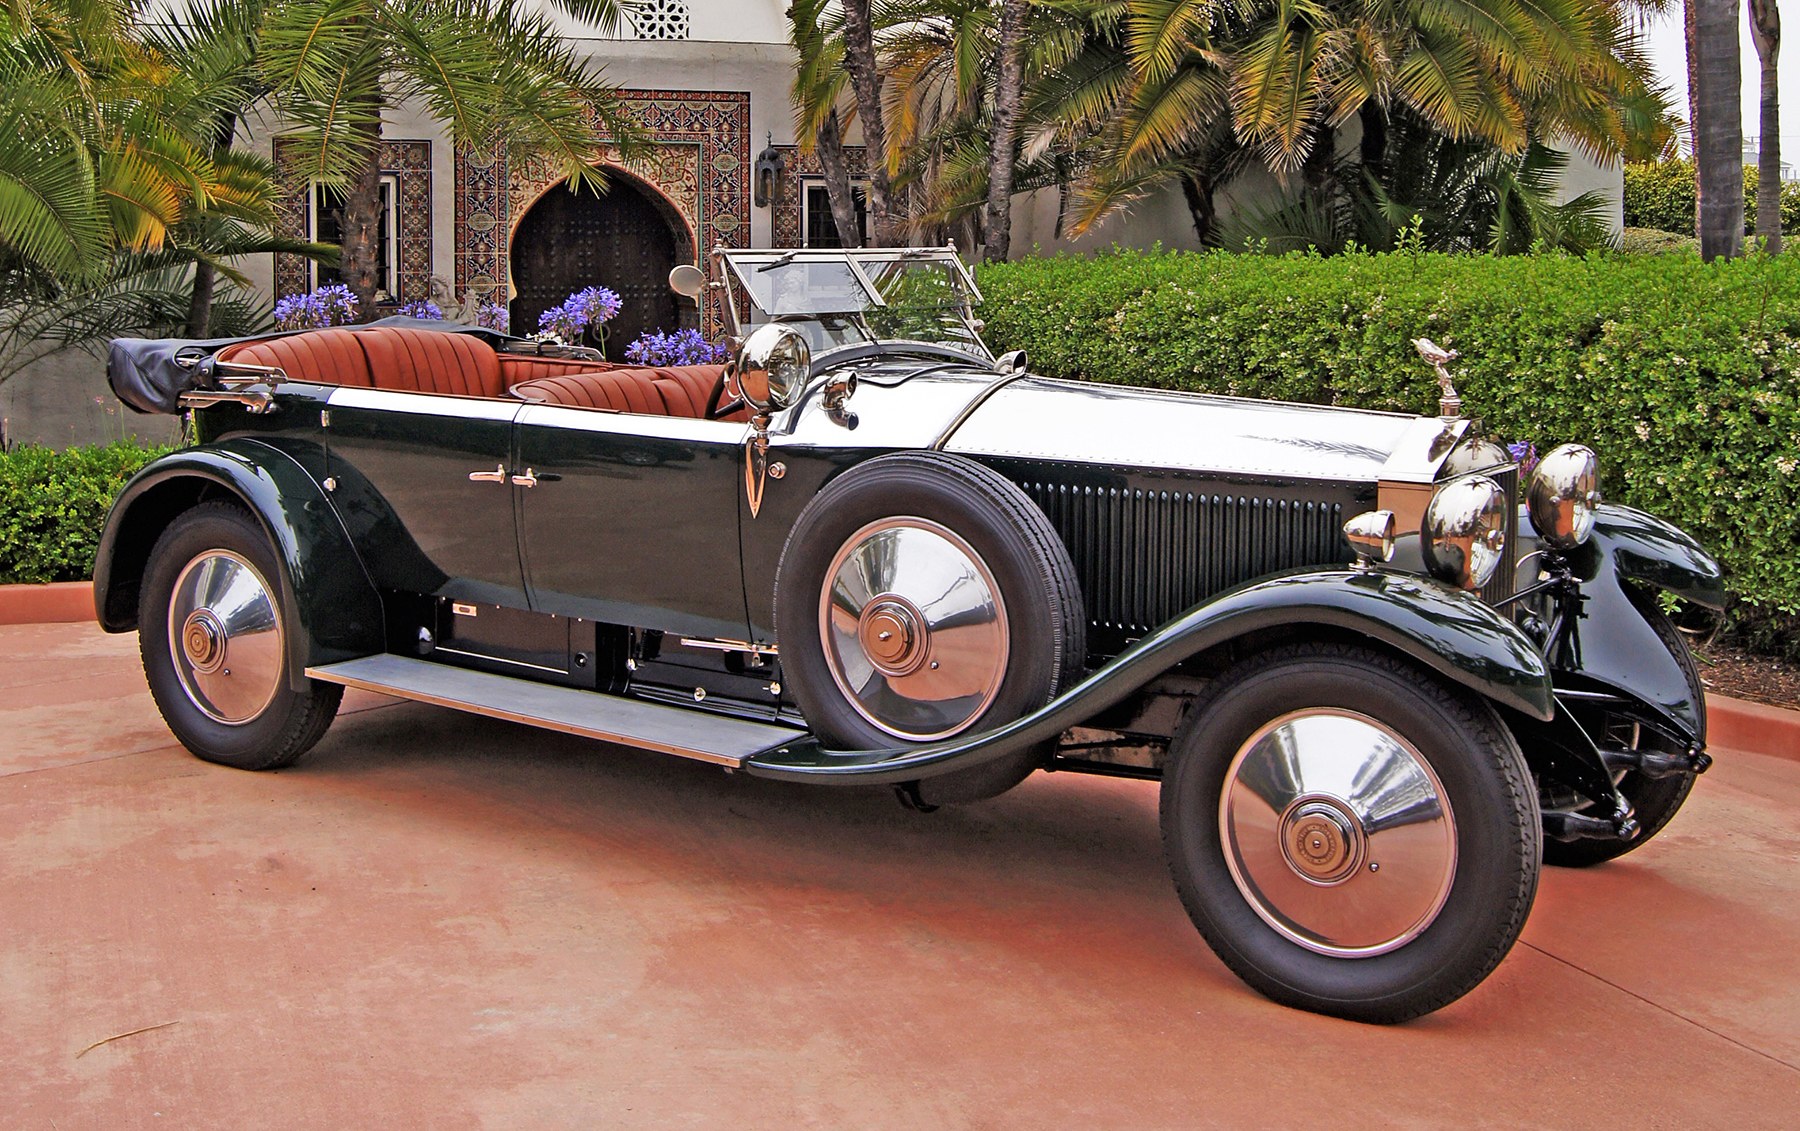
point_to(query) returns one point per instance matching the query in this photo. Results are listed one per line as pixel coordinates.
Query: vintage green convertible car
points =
(1378, 677)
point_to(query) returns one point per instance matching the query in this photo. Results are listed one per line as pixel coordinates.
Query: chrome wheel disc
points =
(913, 627)
(1338, 833)
(225, 637)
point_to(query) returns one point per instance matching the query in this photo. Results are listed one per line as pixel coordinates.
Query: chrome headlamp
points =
(772, 366)
(1464, 532)
(1564, 491)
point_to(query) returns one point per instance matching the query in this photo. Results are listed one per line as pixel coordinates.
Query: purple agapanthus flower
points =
(424, 308)
(491, 316)
(1525, 454)
(683, 347)
(330, 305)
(586, 309)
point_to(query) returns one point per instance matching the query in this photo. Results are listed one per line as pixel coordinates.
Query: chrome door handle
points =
(498, 475)
(529, 479)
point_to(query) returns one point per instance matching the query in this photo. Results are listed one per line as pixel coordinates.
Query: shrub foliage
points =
(1660, 194)
(1683, 376)
(52, 505)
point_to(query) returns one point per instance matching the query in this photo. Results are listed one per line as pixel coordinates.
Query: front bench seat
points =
(664, 391)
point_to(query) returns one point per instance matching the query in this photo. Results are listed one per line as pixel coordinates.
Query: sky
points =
(1670, 57)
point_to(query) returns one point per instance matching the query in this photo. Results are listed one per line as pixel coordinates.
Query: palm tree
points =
(494, 72)
(1003, 147)
(1717, 126)
(864, 72)
(817, 39)
(1287, 74)
(110, 190)
(1765, 32)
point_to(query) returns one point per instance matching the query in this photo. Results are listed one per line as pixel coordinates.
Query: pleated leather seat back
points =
(429, 361)
(322, 357)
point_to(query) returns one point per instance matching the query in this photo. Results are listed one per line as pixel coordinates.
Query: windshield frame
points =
(738, 271)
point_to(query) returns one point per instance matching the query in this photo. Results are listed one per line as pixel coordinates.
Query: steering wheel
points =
(717, 411)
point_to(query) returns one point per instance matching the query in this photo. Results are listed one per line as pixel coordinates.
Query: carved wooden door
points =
(620, 240)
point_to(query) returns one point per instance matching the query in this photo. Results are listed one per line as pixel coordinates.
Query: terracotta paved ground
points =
(437, 920)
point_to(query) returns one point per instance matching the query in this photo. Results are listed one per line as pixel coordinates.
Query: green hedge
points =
(1660, 195)
(52, 504)
(1683, 376)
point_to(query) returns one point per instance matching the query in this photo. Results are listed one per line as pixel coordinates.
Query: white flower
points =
(1786, 464)
(1642, 428)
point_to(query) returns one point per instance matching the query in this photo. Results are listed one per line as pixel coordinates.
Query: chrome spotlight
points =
(1564, 491)
(1464, 532)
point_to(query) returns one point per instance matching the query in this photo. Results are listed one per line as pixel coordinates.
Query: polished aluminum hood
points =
(1078, 422)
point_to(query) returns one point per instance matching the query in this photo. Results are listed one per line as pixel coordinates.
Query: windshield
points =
(848, 297)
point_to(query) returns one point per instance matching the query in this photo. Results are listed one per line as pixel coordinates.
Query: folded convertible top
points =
(150, 374)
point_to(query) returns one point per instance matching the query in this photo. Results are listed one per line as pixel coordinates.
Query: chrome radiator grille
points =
(1145, 556)
(1503, 583)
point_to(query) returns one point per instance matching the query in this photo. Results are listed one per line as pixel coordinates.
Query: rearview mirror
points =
(687, 280)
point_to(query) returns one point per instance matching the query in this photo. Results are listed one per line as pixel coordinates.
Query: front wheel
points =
(213, 640)
(1350, 835)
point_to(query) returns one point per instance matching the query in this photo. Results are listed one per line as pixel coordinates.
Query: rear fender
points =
(332, 609)
(1451, 632)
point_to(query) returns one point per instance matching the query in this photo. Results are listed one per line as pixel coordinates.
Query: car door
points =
(424, 481)
(633, 519)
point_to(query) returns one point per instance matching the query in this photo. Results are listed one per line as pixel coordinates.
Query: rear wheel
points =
(1350, 835)
(214, 645)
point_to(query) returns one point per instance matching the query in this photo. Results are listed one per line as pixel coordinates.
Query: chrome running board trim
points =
(685, 732)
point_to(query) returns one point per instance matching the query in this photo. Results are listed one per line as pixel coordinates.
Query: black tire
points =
(261, 723)
(1653, 800)
(1462, 908)
(999, 536)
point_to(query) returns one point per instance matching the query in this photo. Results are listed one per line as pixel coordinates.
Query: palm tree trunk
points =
(358, 262)
(836, 167)
(1765, 32)
(1718, 127)
(1198, 189)
(1009, 87)
(865, 79)
(206, 280)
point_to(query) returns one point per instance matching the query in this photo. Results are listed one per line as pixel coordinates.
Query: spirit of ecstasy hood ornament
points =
(1449, 403)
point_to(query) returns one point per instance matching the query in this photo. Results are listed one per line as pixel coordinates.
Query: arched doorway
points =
(626, 239)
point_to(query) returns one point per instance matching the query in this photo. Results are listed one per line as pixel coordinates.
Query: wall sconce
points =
(770, 165)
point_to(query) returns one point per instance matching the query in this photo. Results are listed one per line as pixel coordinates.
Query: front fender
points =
(1611, 643)
(1447, 630)
(332, 609)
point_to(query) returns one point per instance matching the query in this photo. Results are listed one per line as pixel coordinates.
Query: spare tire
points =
(921, 596)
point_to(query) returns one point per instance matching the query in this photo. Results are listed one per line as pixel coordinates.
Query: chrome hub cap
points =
(1338, 833)
(913, 628)
(1322, 842)
(225, 637)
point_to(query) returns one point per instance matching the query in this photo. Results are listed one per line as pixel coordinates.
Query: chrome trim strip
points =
(424, 404)
(728, 646)
(500, 660)
(633, 424)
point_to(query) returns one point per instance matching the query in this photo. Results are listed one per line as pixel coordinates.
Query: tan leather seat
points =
(669, 391)
(520, 367)
(431, 361)
(385, 357)
(323, 357)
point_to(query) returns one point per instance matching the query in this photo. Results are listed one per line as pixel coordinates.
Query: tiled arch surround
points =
(699, 161)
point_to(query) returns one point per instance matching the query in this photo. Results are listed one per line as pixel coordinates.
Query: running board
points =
(591, 714)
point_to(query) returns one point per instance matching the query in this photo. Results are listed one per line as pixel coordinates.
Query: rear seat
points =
(680, 390)
(392, 357)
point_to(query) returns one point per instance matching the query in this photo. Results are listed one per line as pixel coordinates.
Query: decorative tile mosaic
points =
(699, 161)
(409, 163)
(788, 215)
